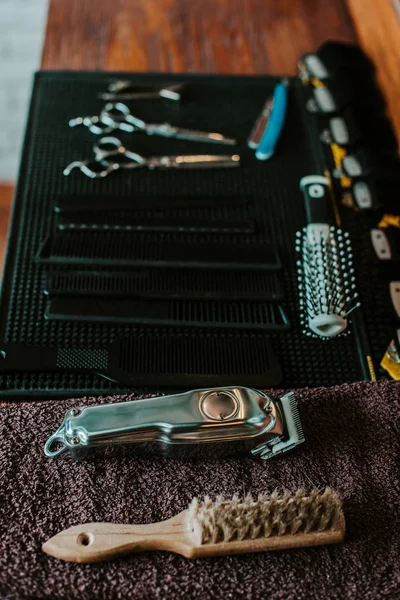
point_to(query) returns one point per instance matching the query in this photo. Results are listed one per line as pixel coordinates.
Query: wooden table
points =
(6, 193)
(220, 36)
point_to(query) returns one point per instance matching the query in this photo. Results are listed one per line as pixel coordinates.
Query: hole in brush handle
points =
(85, 539)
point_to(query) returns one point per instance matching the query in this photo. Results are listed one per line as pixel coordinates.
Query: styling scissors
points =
(126, 90)
(116, 115)
(110, 155)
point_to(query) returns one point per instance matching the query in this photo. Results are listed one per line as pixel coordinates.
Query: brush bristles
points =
(227, 520)
(326, 278)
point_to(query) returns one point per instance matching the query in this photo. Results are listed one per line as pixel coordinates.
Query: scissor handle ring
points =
(100, 127)
(109, 140)
(84, 166)
(117, 149)
(119, 115)
(116, 111)
(102, 152)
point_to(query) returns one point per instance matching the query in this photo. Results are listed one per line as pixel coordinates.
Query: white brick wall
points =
(22, 26)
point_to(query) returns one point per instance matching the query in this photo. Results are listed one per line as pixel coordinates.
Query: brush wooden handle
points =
(96, 542)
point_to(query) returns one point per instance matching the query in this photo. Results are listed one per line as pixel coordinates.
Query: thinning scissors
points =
(110, 155)
(116, 115)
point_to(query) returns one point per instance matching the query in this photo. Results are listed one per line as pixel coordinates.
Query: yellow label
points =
(388, 220)
(392, 367)
(317, 82)
(338, 154)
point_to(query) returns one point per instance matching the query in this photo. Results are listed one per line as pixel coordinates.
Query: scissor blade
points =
(128, 96)
(120, 91)
(191, 135)
(193, 161)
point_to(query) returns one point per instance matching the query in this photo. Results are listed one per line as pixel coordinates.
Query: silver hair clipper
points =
(209, 423)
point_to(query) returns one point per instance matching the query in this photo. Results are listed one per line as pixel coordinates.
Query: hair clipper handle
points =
(317, 200)
(201, 415)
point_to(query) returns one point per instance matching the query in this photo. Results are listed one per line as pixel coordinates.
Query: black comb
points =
(158, 214)
(166, 283)
(77, 203)
(110, 248)
(164, 359)
(236, 315)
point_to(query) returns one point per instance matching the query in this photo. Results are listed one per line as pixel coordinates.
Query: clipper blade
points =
(326, 281)
(293, 435)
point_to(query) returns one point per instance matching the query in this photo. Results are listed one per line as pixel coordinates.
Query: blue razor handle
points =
(276, 122)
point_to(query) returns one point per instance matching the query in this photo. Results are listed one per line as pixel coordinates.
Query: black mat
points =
(267, 200)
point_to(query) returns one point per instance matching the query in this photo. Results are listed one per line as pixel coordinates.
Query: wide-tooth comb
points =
(213, 528)
(326, 281)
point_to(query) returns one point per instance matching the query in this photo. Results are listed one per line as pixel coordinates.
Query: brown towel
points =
(352, 444)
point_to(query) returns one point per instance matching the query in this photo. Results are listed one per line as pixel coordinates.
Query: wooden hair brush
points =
(213, 528)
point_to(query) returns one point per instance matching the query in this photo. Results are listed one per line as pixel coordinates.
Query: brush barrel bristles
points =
(267, 516)
(326, 280)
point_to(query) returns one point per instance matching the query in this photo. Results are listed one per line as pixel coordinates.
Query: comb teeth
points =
(326, 281)
(267, 516)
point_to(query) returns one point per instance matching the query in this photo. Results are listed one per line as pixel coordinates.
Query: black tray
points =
(43, 356)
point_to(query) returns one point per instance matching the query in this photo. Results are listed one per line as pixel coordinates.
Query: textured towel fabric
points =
(352, 444)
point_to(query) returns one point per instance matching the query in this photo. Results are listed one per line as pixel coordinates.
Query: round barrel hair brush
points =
(326, 281)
